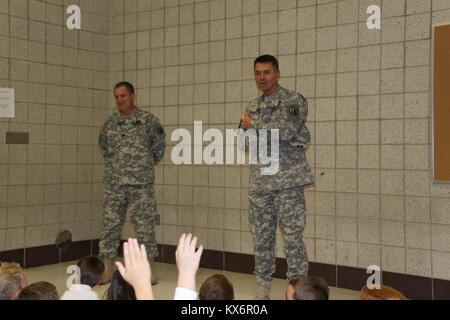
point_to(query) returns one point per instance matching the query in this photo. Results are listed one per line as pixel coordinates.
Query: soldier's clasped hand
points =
(247, 121)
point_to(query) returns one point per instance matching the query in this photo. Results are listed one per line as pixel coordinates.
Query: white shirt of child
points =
(80, 292)
(184, 294)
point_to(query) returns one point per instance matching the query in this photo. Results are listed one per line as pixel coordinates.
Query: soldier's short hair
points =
(129, 86)
(310, 288)
(267, 58)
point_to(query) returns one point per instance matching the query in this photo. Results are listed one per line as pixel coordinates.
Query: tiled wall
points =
(368, 92)
(183, 77)
(60, 79)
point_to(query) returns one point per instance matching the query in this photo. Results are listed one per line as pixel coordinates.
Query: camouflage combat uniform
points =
(280, 196)
(131, 147)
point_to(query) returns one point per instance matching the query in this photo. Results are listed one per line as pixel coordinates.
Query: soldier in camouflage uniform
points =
(132, 142)
(279, 196)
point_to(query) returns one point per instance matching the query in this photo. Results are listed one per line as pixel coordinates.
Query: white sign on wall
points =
(6, 103)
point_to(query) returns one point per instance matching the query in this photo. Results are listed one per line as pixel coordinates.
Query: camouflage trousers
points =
(287, 206)
(141, 203)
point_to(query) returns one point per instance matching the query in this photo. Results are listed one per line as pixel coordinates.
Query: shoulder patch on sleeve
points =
(293, 111)
(303, 99)
(160, 130)
(157, 128)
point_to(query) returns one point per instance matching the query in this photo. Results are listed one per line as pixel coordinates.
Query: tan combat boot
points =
(110, 267)
(153, 269)
(263, 292)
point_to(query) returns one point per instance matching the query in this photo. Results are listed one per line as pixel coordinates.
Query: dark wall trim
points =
(413, 287)
(17, 256)
(39, 256)
(77, 250)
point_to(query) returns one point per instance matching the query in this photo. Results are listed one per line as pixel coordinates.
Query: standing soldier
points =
(279, 196)
(132, 142)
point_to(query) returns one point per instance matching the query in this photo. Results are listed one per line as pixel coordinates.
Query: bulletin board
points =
(441, 104)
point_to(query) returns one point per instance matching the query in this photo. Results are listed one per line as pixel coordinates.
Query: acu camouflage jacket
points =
(287, 112)
(131, 147)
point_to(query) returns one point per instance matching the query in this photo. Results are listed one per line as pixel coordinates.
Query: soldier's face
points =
(267, 77)
(124, 100)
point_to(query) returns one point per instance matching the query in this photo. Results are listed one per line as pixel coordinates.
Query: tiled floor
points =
(244, 284)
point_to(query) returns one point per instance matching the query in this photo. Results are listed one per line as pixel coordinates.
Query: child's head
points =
(384, 293)
(91, 269)
(216, 287)
(307, 288)
(119, 289)
(39, 291)
(12, 280)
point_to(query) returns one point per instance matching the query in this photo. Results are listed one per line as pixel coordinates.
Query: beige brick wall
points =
(368, 92)
(369, 114)
(60, 82)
